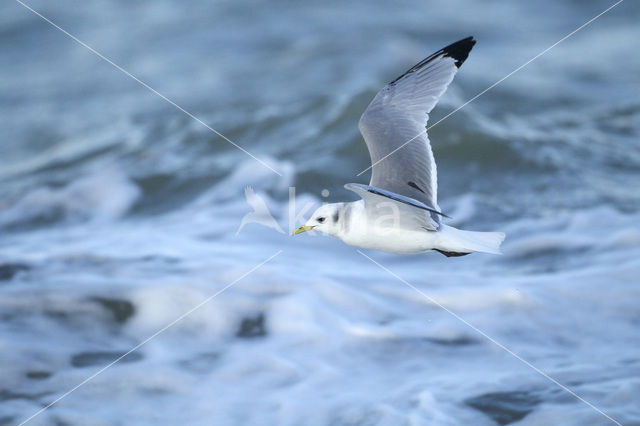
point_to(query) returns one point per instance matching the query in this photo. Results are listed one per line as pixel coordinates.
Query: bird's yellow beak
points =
(301, 229)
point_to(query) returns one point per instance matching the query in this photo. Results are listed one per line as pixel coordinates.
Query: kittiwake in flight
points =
(399, 211)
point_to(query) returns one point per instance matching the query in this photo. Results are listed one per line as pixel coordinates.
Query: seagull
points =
(260, 213)
(398, 211)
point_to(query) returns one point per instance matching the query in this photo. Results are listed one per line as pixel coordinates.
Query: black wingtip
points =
(459, 50)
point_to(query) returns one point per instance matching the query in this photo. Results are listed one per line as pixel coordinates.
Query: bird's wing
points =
(398, 114)
(403, 212)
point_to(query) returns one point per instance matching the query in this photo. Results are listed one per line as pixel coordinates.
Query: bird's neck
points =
(349, 213)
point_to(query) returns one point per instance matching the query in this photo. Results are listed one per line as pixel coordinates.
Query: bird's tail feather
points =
(469, 241)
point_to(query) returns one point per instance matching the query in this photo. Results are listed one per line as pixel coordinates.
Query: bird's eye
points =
(320, 219)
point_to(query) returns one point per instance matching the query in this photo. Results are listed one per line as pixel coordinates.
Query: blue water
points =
(119, 213)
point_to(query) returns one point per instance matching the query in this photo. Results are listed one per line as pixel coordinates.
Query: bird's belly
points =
(398, 241)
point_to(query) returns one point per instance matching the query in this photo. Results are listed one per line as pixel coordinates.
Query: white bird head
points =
(325, 219)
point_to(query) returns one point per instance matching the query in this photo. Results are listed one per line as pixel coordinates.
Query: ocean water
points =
(119, 214)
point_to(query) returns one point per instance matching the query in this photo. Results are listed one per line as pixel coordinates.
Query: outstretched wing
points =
(399, 114)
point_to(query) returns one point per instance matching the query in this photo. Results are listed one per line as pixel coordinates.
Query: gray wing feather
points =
(411, 214)
(358, 188)
(399, 113)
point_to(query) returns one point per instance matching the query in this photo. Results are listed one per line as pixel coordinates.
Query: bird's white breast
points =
(360, 232)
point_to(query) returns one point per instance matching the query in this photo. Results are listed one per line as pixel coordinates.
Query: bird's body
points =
(399, 211)
(357, 230)
(355, 227)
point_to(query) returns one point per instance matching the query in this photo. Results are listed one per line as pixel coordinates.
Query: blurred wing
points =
(398, 114)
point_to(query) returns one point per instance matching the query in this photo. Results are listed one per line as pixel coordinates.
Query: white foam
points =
(104, 195)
